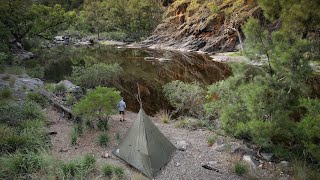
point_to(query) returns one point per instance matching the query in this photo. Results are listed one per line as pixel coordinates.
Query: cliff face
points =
(203, 25)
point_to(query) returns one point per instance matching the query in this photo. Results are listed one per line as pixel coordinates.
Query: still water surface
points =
(148, 67)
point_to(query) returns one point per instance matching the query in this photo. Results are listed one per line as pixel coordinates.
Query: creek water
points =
(150, 68)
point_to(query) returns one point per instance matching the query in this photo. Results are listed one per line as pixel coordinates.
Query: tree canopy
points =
(21, 18)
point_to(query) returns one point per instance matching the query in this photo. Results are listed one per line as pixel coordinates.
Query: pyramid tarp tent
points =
(145, 147)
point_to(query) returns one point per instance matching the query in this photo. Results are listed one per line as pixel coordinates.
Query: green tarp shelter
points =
(145, 147)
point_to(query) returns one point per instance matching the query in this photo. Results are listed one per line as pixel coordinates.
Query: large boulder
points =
(27, 84)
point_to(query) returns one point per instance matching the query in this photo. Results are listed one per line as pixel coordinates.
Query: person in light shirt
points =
(122, 107)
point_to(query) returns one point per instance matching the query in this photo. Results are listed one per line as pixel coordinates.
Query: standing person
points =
(122, 107)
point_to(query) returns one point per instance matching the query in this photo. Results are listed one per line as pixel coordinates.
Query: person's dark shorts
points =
(121, 112)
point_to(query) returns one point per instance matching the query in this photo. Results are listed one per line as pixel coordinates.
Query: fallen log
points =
(66, 111)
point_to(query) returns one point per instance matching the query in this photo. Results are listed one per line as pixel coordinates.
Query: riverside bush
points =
(98, 104)
(96, 75)
(259, 108)
(186, 98)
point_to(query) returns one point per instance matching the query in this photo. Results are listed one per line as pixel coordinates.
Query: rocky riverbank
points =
(207, 27)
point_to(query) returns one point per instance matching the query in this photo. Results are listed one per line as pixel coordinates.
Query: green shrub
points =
(103, 139)
(35, 133)
(50, 87)
(96, 75)
(16, 70)
(37, 72)
(308, 128)
(78, 128)
(70, 99)
(31, 135)
(185, 98)
(107, 170)
(74, 136)
(98, 104)
(14, 166)
(13, 112)
(302, 170)
(38, 98)
(187, 122)
(103, 125)
(240, 168)
(59, 88)
(89, 161)
(89, 124)
(119, 172)
(5, 93)
(10, 141)
(211, 139)
(78, 168)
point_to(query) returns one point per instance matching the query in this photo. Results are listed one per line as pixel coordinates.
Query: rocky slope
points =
(203, 25)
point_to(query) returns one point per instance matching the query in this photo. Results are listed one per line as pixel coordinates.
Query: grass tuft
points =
(107, 170)
(6, 93)
(103, 125)
(240, 168)
(164, 116)
(103, 139)
(211, 139)
(88, 123)
(119, 172)
(38, 98)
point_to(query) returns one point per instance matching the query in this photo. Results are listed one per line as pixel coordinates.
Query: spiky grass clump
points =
(78, 168)
(15, 165)
(74, 137)
(89, 125)
(240, 168)
(107, 170)
(119, 172)
(5, 93)
(164, 116)
(211, 139)
(103, 125)
(103, 139)
(38, 98)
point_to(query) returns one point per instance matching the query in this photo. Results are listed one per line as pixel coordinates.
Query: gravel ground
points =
(184, 165)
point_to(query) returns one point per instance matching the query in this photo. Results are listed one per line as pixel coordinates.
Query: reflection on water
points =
(150, 68)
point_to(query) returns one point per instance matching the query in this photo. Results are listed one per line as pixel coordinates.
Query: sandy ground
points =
(184, 165)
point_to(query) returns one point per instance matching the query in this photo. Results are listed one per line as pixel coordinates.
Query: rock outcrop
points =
(203, 25)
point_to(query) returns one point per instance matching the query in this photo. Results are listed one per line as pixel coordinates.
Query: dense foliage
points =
(186, 98)
(97, 74)
(134, 18)
(23, 18)
(98, 104)
(271, 105)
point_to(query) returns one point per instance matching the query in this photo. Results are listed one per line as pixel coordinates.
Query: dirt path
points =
(184, 165)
